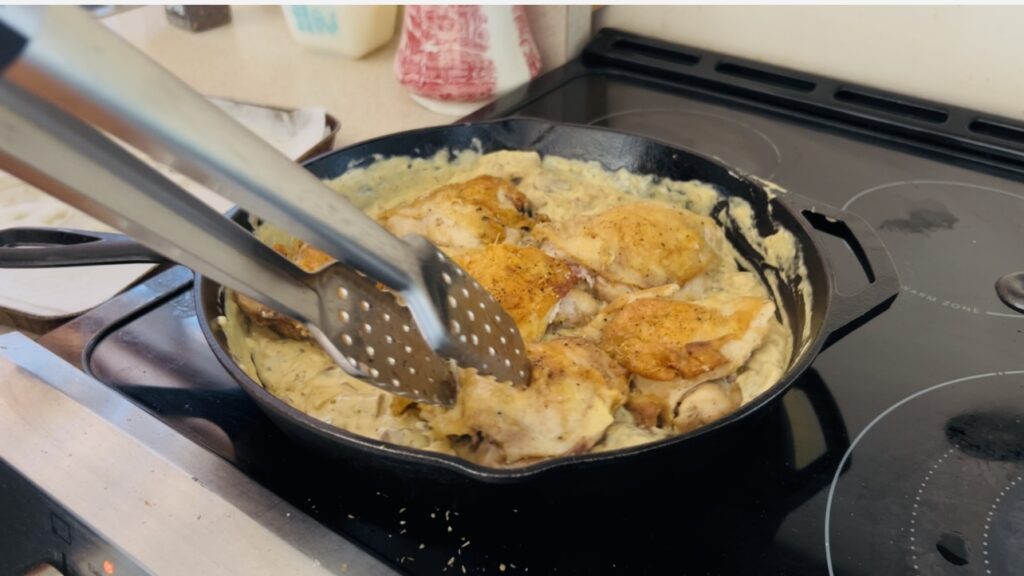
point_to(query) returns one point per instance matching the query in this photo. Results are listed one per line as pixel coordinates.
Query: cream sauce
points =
(302, 375)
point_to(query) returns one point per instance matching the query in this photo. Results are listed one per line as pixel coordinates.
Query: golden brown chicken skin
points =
(308, 259)
(470, 214)
(484, 210)
(666, 339)
(570, 403)
(464, 215)
(673, 346)
(524, 280)
(641, 245)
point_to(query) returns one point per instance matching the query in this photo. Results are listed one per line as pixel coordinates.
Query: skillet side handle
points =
(60, 247)
(849, 311)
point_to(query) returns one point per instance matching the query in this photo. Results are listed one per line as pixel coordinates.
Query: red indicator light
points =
(108, 567)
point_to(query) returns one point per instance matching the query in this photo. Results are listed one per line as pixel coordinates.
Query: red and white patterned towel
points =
(465, 53)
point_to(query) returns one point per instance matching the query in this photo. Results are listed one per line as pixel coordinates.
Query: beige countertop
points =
(255, 59)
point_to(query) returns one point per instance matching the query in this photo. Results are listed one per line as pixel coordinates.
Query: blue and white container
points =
(352, 31)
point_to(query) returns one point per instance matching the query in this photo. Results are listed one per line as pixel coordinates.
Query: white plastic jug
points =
(352, 31)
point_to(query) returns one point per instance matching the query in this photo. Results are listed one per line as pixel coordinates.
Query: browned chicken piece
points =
(302, 255)
(666, 339)
(652, 402)
(681, 405)
(566, 409)
(592, 329)
(640, 245)
(672, 346)
(524, 280)
(484, 210)
(707, 402)
(308, 258)
(264, 316)
(465, 215)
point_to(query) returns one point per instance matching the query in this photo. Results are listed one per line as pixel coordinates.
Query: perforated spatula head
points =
(404, 345)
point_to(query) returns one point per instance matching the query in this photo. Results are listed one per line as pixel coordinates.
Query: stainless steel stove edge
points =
(97, 479)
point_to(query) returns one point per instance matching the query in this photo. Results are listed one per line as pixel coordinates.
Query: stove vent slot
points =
(765, 77)
(998, 130)
(666, 54)
(891, 105)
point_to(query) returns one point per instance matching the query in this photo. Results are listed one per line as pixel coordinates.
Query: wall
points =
(971, 56)
(560, 32)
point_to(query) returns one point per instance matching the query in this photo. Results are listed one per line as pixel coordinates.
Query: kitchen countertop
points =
(255, 59)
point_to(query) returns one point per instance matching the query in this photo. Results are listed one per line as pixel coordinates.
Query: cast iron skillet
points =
(832, 313)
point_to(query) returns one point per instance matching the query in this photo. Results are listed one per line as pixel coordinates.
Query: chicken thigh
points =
(672, 346)
(639, 245)
(484, 210)
(566, 409)
(666, 339)
(524, 280)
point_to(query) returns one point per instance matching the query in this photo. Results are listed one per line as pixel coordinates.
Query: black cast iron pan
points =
(832, 313)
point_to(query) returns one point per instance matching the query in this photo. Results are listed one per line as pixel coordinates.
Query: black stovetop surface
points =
(921, 408)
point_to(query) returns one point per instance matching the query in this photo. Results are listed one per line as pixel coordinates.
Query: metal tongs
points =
(62, 71)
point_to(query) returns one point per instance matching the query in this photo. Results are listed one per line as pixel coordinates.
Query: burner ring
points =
(728, 140)
(957, 223)
(863, 433)
(862, 193)
(994, 550)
